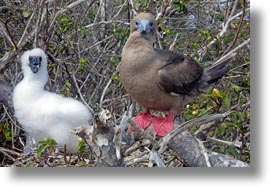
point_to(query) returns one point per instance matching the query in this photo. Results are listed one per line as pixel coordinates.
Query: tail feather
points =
(213, 73)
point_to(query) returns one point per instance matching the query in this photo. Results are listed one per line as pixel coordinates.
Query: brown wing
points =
(180, 74)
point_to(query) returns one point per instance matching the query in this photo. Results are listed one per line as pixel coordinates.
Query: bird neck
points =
(137, 41)
(36, 81)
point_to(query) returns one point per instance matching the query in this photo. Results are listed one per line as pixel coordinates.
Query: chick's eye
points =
(40, 58)
(30, 58)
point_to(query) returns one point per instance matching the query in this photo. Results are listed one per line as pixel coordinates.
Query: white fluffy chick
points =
(42, 113)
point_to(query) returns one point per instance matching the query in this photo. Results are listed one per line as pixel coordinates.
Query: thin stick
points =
(143, 133)
(239, 27)
(80, 94)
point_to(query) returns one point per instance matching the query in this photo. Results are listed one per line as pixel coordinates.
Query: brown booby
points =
(158, 79)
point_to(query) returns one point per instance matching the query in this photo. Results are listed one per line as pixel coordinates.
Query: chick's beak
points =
(35, 63)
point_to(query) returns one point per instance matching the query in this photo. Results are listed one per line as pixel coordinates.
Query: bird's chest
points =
(143, 87)
(139, 74)
(138, 78)
(26, 111)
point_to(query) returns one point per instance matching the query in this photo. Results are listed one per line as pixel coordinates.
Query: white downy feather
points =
(42, 113)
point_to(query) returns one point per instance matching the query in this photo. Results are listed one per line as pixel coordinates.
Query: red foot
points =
(143, 120)
(162, 126)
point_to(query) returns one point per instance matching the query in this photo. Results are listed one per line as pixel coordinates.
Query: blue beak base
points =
(144, 26)
(35, 63)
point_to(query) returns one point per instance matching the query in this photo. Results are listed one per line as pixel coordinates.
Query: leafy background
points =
(84, 39)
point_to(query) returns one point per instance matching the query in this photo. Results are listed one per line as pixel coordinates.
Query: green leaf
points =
(67, 84)
(236, 88)
(6, 131)
(8, 135)
(220, 17)
(90, 14)
(227, 101)
(30, 164)
(26, 13)
(65, 24)
(246, 82)
(44, 144)
(84, 31)
(165, 30)
(181, 6)
(221, 129)
(115, 61)
(119, 31)
(41, 149)
(115, 77)
(82, 63)
(233, 151)
(144, 1)
(81, 146)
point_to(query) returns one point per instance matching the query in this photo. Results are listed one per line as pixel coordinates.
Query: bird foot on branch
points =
(162, 126)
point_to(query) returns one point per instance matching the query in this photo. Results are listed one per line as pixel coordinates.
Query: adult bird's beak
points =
(144, 26)
(35, 63)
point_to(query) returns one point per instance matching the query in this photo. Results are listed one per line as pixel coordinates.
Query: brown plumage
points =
(159, 79)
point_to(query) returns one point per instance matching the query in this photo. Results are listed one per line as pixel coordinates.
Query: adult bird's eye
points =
(151, 23)
(137, 23)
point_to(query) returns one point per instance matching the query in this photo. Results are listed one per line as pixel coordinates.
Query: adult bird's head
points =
(145, 24)
(34, 64)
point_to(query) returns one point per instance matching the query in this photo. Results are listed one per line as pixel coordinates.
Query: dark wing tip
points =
(216, 74)
(180, 75)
